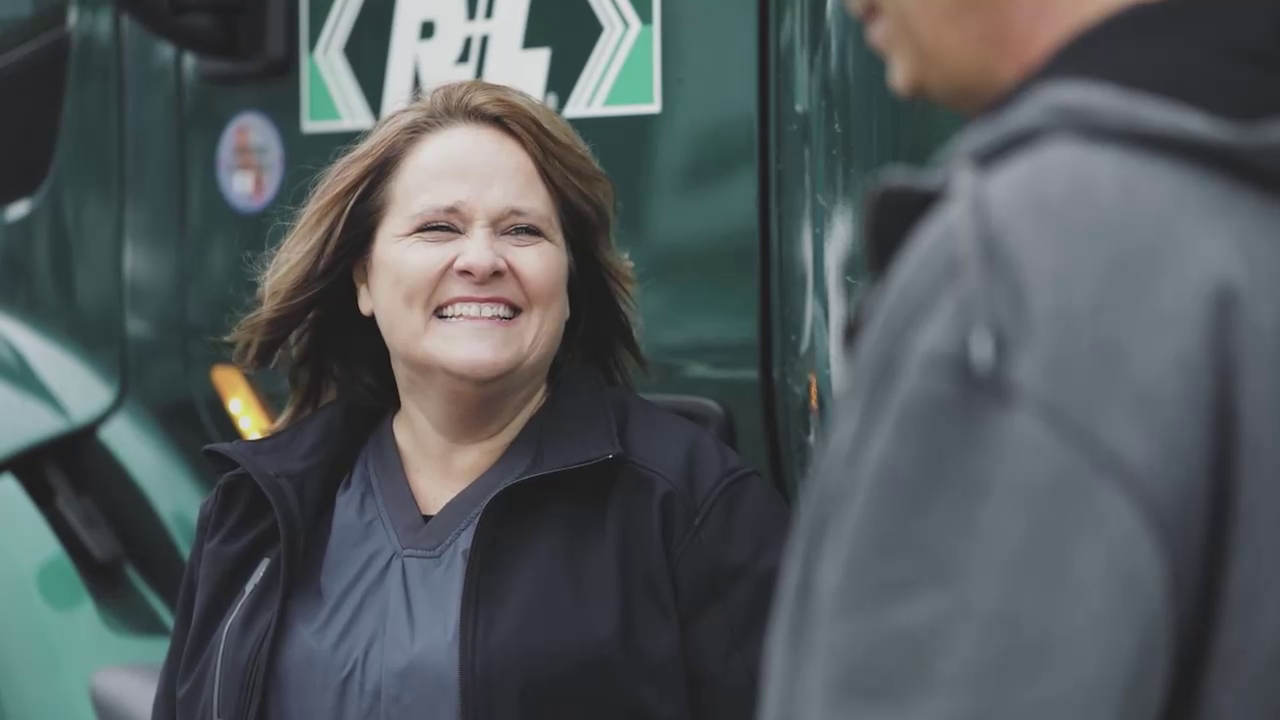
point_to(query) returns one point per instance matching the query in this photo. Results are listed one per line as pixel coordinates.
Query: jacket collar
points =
(1219, 56)
(902, 196)
(577, 425)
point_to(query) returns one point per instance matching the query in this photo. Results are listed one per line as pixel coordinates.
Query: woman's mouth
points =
(494, 311)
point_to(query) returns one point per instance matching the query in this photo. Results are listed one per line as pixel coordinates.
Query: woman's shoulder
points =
(658, 435)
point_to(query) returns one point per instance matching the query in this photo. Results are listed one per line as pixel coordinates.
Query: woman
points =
(465, 513)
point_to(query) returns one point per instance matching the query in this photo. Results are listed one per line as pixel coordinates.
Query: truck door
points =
(61, 312)
(834, 125)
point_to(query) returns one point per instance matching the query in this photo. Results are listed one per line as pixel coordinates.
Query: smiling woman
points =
(476, 173)
(465, 512)
(468, 274)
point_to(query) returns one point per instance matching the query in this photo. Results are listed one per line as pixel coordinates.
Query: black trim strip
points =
(764, 171)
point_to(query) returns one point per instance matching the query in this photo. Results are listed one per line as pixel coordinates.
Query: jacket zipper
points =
(250, 692)
(226, 630)
(283, 504)
(466, 619)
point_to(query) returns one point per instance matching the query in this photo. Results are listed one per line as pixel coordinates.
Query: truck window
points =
(33, 59)
(16, 12)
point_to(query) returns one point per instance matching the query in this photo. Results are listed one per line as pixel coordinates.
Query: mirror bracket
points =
(233, 40)
(270, 25)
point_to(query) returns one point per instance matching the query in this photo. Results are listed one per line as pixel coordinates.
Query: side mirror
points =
(233, 39)
(207, 29)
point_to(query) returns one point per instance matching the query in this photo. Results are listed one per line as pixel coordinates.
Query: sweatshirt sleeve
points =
(164, 706)
(963, 559)
(987, 534)
(725, 573)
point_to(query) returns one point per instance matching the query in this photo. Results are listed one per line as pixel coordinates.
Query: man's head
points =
(966, 54)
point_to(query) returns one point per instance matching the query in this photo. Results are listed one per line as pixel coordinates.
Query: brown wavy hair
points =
(306, 320)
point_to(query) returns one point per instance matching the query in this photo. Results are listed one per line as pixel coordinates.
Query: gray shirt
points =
(371, 626)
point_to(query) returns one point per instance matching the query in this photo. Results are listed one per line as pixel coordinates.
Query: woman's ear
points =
(364, 298)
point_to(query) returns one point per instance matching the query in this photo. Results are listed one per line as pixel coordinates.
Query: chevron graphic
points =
(332, 100)
(623, 74)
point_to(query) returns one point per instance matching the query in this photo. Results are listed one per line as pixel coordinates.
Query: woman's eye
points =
(436, 228)
(527, 231)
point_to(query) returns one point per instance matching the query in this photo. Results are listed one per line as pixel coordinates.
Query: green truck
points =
(149, 149)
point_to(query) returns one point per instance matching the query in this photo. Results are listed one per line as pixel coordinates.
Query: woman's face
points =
(468, 273)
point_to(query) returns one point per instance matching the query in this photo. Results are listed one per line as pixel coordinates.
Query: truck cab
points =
(151, 149)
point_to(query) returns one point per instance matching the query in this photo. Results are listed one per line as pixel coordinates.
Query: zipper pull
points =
(257, 575)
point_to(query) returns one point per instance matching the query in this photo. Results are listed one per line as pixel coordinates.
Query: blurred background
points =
(150, 150)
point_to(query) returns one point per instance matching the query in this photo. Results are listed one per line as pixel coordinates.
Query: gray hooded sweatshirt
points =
(1053, 489)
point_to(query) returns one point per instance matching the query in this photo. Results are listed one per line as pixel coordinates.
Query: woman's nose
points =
(479, 257)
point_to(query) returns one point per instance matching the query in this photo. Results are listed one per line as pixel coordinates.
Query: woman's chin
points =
(480, 370)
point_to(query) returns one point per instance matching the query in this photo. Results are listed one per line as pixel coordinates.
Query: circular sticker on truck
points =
(250, 162)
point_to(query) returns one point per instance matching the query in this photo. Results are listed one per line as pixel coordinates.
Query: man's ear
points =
(360, 275)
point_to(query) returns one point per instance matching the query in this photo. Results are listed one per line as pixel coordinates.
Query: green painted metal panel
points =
(46, 387)
(56, 633)
(833, 126)
(157, 246)
(60, 254)
(164, 475)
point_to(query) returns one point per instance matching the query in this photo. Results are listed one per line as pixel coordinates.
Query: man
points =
(1053, 491)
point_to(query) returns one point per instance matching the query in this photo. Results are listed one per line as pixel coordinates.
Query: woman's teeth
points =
(459, 311)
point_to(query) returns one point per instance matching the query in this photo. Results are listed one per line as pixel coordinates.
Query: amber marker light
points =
(241, 401)
(813, 392)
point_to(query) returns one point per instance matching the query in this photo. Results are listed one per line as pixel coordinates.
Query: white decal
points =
(434, 43)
